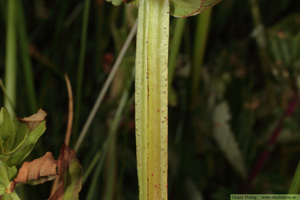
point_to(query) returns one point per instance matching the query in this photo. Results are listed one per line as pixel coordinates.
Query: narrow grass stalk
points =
(202, 30)
(151, 98)
(111, 171)
(80, 72)
(105, 88)
(111, 135)
(295, 185)
(6, 96)
(174, 47)
(3, 9)
(11, 57)
(92, 165)
(24, 47)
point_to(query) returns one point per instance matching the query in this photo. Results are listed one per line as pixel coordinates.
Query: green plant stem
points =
(105, 88)
(11, 57)
(151, 98)
(5, 94)
(295, 185)
(201, 35)
(174, 48)
(80, 72)
(24, 47)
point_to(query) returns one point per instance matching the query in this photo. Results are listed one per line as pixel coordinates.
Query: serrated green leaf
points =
(186, 8)
(226, 139)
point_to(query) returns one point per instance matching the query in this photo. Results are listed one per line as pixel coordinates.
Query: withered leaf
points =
(70, 175)
(34, 120)
(37, 171)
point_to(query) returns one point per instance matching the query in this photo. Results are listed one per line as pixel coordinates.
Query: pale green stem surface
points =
(11, 57)
(151, 96)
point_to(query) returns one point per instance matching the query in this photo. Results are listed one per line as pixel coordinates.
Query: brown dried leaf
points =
(37, 171)
(34, 120)
(70, 175)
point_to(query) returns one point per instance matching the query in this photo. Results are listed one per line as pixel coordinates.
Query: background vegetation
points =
(227, 108)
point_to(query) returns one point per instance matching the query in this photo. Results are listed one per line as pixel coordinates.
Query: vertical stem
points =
(199, 50)
(10, 62)
(151, 98)
(175, 45)
(81, 63)
(24, 47)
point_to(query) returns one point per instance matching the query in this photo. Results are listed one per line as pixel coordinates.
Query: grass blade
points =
(24, 47)
(11, 58)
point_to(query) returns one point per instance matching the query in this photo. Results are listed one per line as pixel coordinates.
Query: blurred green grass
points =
(258, 89)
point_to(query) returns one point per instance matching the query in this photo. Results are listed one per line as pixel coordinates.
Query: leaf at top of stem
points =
(115, 2)
(179, 8)
(186, 8)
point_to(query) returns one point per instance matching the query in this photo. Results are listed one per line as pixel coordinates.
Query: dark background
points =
(255, 86)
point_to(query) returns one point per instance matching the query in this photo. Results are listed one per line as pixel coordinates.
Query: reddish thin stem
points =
(274, 136)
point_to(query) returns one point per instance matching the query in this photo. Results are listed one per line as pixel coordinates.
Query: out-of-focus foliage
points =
(258, 88)
(226, 139)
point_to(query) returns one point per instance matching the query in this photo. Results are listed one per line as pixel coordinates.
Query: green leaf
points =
(115, 2)
(25, 146)
(178, 8)
(74, 179)
(6, 130)
(21, 130)
(6, 175)
(23, 138)
(226, 140)
(186, 8)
